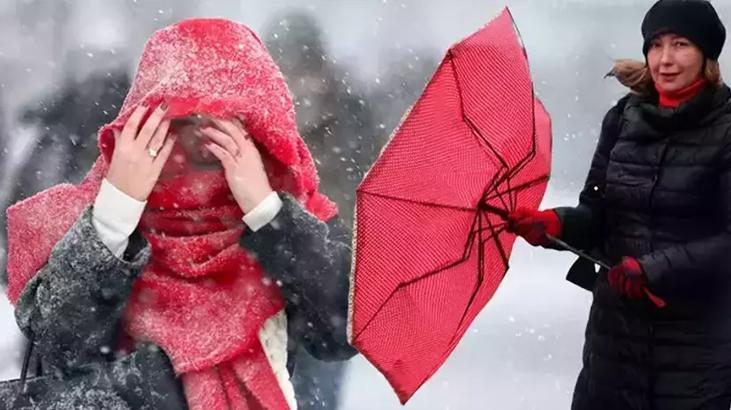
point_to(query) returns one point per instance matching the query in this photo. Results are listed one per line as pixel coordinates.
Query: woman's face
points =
(674, 61)
(192, 141)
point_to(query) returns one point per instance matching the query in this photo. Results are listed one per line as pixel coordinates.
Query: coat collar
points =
(645, 119)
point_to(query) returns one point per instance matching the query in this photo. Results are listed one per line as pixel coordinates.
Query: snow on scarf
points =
(201, 297)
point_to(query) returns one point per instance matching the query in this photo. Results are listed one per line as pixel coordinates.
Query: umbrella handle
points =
(656, 300)
(578, 252)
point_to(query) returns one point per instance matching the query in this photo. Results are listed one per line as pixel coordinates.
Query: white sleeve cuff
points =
(264, 212)
(115, 216)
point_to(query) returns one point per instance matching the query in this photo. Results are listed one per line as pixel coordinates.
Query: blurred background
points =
(354, 67)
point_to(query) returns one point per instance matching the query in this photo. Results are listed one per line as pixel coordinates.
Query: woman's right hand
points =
(534, 225)
(140, 152)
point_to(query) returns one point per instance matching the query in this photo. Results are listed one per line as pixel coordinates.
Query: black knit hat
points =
(696, 20)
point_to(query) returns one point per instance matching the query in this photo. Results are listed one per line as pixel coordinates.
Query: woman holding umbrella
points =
(657, 205)
(200, 229)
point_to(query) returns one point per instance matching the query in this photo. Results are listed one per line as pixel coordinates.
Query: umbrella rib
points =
(504, 168)
(479, 135)
(463, 258)
(495, 234)
(533, 150)
(405, 284)
(481, 265)
(480, 272)
(466, 254)
(475, 130)
(491, 186)
(414, 201)
(505, 173)
(523, 186)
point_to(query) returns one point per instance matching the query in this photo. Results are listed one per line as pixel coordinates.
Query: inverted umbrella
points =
(431, 246)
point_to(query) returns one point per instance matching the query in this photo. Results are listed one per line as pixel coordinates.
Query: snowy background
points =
(64, 66)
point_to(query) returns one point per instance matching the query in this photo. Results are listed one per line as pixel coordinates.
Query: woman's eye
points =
(680, 44)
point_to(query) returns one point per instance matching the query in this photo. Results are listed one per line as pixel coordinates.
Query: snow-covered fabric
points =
(74, 305)
(116, 216)
(201, 297)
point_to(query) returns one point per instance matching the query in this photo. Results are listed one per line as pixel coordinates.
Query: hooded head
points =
(213, 67)
(221, 69)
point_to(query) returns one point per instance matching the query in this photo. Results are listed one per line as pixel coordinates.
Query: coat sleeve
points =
(72, 306)
(582, 225)
(310, 260)
(677, 269)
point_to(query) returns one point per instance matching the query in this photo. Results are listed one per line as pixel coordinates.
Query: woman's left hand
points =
(628, 279)
(241, 160)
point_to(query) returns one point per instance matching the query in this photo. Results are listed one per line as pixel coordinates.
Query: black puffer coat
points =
(659, 189)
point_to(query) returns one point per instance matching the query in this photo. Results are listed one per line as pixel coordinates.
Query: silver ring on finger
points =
(152, 152)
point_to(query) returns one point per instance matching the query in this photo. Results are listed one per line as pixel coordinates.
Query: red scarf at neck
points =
(201, 297)
(674, 99)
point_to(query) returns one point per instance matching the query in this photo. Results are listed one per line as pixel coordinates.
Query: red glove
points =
(534, 225)
(627, 278)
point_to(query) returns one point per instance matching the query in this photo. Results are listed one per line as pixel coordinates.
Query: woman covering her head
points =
(657, 205)
(199, 229)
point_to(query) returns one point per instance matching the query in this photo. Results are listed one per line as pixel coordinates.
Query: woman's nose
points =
(667, 56)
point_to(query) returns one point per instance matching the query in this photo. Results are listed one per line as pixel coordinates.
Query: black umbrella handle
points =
(656, 300)
(578, 252)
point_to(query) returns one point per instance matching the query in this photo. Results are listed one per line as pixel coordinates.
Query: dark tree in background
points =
(333, 115)
(337, 124)
(345, 130)
(66, 122)
(402, 78)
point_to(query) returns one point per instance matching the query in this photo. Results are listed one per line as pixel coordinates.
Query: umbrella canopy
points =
(430, 246)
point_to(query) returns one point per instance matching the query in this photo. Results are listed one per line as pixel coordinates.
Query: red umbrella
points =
(430, 244)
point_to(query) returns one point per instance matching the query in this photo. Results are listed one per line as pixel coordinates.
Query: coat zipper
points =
(650, 316)
(655, 180)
